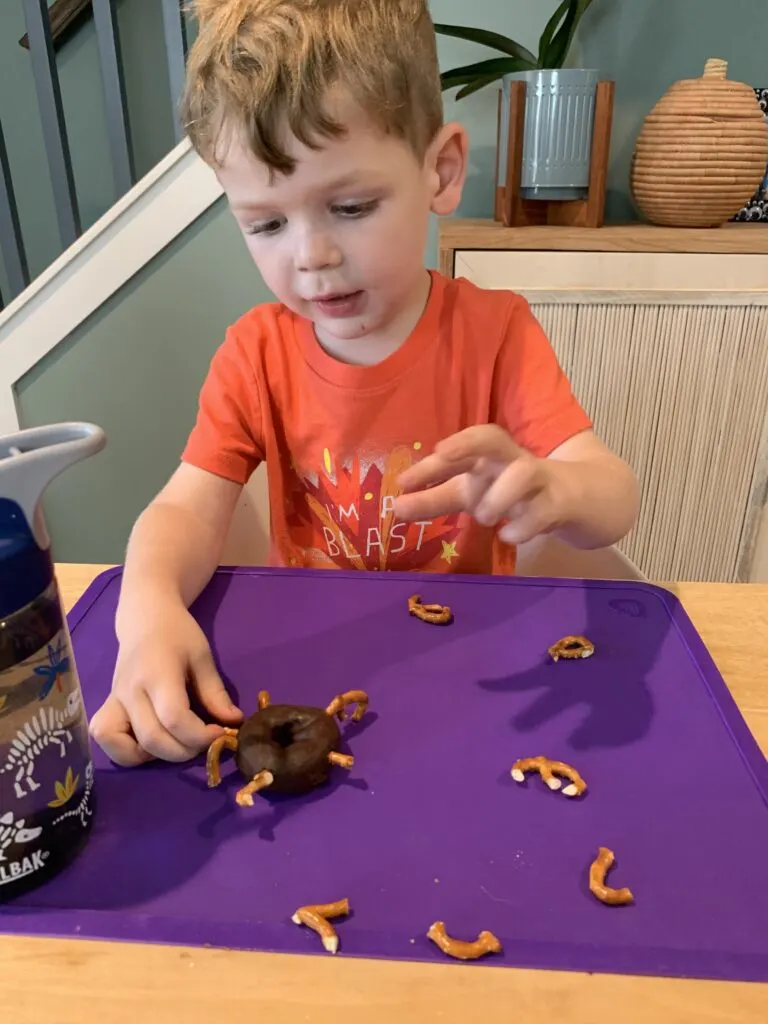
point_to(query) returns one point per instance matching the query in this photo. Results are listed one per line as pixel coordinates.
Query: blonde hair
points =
(259, 65)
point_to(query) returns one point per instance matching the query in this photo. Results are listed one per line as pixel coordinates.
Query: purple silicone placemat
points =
(429, 824)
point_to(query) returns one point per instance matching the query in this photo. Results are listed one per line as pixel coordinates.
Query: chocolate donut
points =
(286, 747)
(292, 743)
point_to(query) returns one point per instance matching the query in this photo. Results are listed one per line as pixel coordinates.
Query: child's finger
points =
(110, 728)
(530, 523)
(151, 734)
(432, 470)
(477, 483)
(486, 441)
(211, 690)
(520, 481)
(181, 723)
(444, 500)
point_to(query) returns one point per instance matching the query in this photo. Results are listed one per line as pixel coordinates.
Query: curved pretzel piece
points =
(318, 919)
(263, 780)
(485, 943)
(338, 704)
(597, 872)
(228, 741)
(549, 771)
(264, 700)
(436, 614)
(572, 647)
(341, 760)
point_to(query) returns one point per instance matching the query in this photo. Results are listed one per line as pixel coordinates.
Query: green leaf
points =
(475, 86)
(551, 27)
(469, 73)
(493, 39)
(561, 43)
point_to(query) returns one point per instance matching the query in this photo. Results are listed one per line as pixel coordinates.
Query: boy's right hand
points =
(148, 715)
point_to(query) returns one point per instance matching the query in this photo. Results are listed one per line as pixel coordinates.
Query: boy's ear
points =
(447, 158)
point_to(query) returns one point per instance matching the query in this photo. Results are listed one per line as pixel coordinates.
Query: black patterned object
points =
(757, 208)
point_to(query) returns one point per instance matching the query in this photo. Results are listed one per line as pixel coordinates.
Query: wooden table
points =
(79, 982)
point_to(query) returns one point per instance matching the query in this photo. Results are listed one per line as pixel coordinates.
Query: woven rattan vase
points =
(702, 152)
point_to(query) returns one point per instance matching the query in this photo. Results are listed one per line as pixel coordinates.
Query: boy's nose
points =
(317, 252)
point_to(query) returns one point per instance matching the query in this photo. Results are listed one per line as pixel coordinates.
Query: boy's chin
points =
(346, 330)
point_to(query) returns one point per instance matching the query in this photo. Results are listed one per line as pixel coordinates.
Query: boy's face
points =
(341, 240)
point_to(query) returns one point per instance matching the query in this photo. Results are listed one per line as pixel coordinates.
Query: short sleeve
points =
(532, 397)
(227, 436)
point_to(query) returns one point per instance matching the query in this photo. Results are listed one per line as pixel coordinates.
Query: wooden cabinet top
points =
(745, 238)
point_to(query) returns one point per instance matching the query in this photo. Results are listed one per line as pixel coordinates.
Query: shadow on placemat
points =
(618, 702)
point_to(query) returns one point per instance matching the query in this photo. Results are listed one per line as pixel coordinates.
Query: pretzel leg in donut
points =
(337, 706)
(341, 760)
(263, 780)
(228, 741)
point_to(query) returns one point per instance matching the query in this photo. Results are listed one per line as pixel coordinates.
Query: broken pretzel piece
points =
(337, 707)
(436, 614)
(317, 918)
(572, 647)
(485, 943)
(549, 771)
(597, 872)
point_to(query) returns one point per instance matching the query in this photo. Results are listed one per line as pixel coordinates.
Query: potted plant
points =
(560, 103)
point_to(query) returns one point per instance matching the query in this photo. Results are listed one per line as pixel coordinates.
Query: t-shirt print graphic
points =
(341, 514)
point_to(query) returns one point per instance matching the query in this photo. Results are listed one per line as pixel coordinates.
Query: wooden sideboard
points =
(664, 335)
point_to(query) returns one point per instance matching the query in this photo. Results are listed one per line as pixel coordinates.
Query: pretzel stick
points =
(264, 700)
(316, 918)
(436, 614)
(485, 943)
(227, 739)
(549, 770)
(597, 872)
(341, 760)
(338, 704)
(571, 648)
(261, 781)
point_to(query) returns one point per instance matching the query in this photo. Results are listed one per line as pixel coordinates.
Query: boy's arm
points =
(536, 467)
(176, 544)
(602, 492)
(173, 552)
(582, 491)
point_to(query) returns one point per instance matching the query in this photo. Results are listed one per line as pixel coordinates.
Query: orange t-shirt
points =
(336, 437)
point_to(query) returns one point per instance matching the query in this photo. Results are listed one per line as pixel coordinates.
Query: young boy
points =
(407, 421)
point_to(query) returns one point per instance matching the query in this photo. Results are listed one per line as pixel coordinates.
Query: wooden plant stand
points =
(514, 211)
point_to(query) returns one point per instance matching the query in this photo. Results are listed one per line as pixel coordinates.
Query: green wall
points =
(647, 45)
(136, 366)
(644, 45)
(149, 108)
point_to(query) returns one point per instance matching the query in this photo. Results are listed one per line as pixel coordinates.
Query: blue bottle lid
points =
(26, 569)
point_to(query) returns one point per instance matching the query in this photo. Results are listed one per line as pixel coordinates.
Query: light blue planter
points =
(559, 119)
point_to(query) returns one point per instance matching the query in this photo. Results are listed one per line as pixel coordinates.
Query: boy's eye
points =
(265, 227)
(352, 211)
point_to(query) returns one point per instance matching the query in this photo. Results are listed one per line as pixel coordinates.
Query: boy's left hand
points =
(483, 472)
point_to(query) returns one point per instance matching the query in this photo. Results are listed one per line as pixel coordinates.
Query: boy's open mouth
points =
(340, 304)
